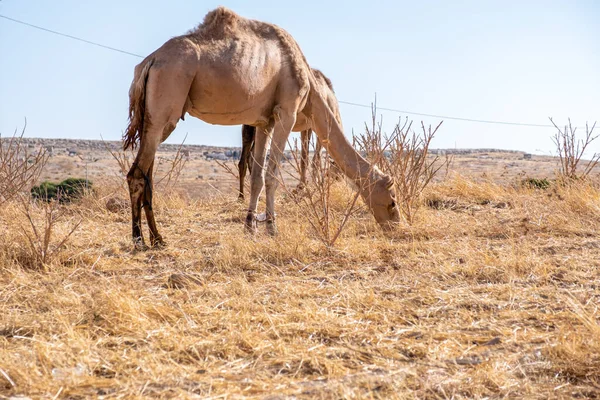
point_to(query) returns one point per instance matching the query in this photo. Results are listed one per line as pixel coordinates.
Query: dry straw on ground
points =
(492, 292)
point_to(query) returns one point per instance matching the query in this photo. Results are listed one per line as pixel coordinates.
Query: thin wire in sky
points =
(420, 114)
(70, 36)
(483, 121)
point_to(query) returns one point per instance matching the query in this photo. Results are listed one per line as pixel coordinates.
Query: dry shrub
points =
(571, 149)
(324, 204)
(19, 168)
(39, 233)
(231, 169)
(167, 171)
(405, 156)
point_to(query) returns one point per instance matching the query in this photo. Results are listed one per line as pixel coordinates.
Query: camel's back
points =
(223, 26)
(237, 62)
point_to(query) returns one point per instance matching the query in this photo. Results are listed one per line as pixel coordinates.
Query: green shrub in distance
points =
(65, 191)
(46, 190)
(74, 187)
(536, 183)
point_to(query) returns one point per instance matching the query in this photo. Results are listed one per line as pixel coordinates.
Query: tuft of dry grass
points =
(491, 292)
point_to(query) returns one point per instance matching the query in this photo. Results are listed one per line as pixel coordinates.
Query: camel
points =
(230, 70)
(302, 126)
(245, 163)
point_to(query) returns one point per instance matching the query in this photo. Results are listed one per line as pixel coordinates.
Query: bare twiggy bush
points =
(173, 168)
(405, 156)
(231, 169)
(42, 218)
(167, 171)
(19, 168)
(571, 151)
(327, 207)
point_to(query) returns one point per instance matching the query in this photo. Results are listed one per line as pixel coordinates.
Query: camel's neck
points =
(330, 133)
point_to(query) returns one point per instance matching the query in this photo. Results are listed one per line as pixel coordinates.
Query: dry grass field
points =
(492, 292)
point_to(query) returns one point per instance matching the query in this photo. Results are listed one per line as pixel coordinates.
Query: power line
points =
(482, 121)
(70, 36)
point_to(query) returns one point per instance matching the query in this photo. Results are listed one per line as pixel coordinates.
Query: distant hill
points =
(83, 145)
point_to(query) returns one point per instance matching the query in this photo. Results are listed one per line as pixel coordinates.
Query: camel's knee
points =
(257, 184)
(139, 184)
(136, 184)
(271, 181)
(131, 175)
(257, 172)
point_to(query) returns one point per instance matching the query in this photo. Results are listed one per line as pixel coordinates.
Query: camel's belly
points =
(233, 117)
(231, 103)
(237, 87)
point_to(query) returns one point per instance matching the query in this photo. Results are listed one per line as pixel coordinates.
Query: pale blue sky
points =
(505, 60)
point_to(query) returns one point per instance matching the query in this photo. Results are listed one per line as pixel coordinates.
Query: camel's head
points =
(381, 197)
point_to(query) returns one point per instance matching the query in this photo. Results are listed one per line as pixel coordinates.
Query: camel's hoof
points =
(250, 229)
(158, 243)
(139, 245)
(272, 228)
(250, 224)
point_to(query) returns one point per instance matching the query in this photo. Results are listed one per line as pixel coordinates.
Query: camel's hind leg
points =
(155, 238)
(248, 133)
(305, 145)
(139, 179)
(316, 161)
(166, 92)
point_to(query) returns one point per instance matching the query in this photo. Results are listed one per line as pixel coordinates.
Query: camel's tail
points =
(137, 106)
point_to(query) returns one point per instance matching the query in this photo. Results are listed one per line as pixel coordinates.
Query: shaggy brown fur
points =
(217, 23)
(319, 75)
(223, 22)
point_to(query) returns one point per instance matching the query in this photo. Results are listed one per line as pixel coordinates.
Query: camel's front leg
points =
(261, 141)
(284, 122)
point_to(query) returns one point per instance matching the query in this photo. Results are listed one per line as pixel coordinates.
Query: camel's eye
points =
(393, 205)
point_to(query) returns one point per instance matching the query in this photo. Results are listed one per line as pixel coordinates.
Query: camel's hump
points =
(222, 23)
(320, 75)
(217, 22)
